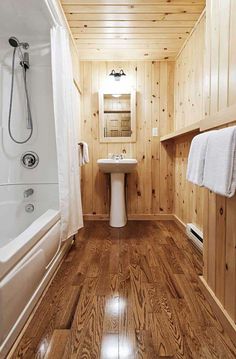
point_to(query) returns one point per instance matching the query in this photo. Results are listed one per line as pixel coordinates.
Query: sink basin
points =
(126, 165)
(117, 169)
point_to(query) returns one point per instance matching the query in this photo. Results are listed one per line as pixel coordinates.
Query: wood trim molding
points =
(223, 117)
(151, 217)
(224, 318)
(96, 217)
(132, 217)
(195, 127)
(179, 223)
(191, 32)
(77, 86)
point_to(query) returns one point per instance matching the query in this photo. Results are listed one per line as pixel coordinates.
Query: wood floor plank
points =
(132, 293)
(139, 298)
(65, 320)
(85, 313)
(127, 336)
(112, 306)
(57, 345)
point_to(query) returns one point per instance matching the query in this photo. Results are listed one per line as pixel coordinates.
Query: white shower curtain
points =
(66, 125)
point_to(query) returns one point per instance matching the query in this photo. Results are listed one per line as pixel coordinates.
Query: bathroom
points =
(117, 181)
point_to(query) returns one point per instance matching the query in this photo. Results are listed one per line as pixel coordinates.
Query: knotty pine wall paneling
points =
(189, 79)
(149, 189)
(188, 198)
(215, 214)
(189, 108)
(220, 87)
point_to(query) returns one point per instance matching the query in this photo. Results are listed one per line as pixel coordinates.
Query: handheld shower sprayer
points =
(24, 62)
(14, 42)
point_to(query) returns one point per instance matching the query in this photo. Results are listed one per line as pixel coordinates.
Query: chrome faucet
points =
(117, 157)
(28, 192)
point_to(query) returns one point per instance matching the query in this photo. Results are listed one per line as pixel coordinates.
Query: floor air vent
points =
(195, 235)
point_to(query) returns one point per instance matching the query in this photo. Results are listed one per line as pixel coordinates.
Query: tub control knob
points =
(29, 160)
(29, 208)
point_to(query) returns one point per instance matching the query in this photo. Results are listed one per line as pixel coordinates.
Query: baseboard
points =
(226, 321)
(96, 217)
(179, 223)
(151, 217)
(132, 217)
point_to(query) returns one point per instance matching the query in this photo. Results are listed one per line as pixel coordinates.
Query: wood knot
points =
(221, 211)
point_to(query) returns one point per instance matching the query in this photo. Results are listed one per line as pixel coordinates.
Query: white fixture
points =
(154, 132)
(195, 235)
(117, 167)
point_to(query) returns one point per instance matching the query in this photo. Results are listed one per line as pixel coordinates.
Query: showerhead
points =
(14, 42)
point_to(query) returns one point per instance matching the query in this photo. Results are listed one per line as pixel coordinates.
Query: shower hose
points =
(29, 118)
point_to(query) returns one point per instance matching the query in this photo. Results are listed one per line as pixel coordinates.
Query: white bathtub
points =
(18, 247)
(29, 249)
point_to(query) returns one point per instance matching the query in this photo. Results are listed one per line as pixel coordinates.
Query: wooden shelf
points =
(195, 127)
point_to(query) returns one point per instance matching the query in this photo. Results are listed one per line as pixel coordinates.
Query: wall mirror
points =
(117, 116)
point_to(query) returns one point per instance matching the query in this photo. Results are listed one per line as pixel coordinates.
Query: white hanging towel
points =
(83, 153)
(196, 158)
(220, 163)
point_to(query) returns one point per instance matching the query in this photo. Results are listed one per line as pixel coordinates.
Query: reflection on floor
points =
(127, 293)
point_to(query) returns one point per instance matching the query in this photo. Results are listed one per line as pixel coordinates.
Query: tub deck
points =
(17, 248)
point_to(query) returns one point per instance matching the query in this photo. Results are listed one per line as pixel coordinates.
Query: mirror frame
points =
(132, 138)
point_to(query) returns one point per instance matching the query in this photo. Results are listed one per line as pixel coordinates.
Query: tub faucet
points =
(28, 192)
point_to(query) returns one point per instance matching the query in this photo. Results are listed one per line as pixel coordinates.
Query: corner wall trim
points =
(179, 223)
(227, 323)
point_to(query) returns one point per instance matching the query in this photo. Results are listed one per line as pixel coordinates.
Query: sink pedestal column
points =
(118, 216)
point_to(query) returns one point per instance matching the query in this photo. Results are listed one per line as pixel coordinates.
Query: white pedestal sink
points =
(117, 168)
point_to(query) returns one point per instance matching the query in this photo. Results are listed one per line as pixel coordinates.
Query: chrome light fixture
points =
(117, 75)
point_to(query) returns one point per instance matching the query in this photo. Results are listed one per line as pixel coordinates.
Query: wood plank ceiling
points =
(131, 29)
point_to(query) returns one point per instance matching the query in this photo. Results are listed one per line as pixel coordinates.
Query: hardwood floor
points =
(127, 293)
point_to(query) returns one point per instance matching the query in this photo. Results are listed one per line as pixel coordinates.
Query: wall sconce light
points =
(117, 75)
